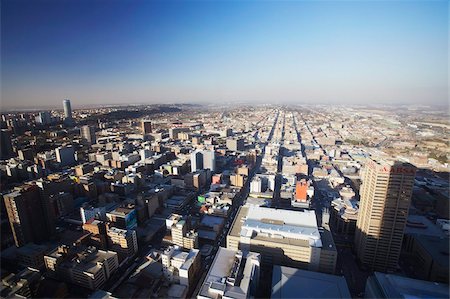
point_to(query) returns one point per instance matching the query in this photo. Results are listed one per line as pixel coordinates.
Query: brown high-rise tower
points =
(26, 215)
(385, 198)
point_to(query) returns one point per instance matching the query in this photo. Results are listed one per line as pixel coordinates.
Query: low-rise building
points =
(233, 274)
(283, 237)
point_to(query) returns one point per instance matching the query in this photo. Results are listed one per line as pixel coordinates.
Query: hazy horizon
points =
(151, 52)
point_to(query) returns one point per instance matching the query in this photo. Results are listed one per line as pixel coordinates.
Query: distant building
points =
(146, 127)
(67, 111)
(284, 237)
(303, 194)
(235, 144)
(6, 150)
(295, 283)
(203, 159)
(65, 155)
(44, 118)
(88, 134)
(385, 198)
(26, 216)
(233, 274)
(382, 285)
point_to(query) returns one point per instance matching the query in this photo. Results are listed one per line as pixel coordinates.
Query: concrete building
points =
(67, 109)
(26, 215)
(181, 267)
(382, 285)
(295, 283)
(182, 236)
(256, 185)
(86, 267)
(233, 274)
(65, 155)
(385, 198)
(44, 118)
(122, 241)
(6, 150)
(235, 144)
(284, 237)
(123, 217)
(203, 159)
(430, 258)
(146, 127)
(21, 285)
(88, 134)
(31, 255)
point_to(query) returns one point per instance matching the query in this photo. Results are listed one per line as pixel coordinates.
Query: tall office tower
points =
(146, 127)
(44, 118)
(65, 155)
(235, 144)
(209, 160)
(385, 198)
(203, 159)
(6, 150)
(196, 161)
(67, 109)
(88, 134)
(25, 214)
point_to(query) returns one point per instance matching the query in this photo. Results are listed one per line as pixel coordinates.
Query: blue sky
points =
(129, 51)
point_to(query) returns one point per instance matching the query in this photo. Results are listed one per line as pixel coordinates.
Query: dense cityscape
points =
(200, 201)
(224, 149)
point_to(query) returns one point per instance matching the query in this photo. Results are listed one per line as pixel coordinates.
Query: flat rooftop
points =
(295, 283)
(221, 268)
(277, 225)
(394, 286)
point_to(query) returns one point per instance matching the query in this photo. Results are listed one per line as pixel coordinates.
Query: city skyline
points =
(205, 52)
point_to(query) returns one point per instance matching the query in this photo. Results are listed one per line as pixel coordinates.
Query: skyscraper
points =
(385, 198)
(88, 134)
(26, 215)
(65, 155)
(203, 159)
(67, 111)
(6, 150)
(146, 127)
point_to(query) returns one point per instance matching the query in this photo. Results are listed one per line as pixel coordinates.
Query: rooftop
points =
(394, 286)
(230, 274)
(295, 283)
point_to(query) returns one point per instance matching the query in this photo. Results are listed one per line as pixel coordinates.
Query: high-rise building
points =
(385, 198)
(65, 155)
(235, 144)
(44, 118)
(203, 159)
(6, 150)
(67, 110)
(146, 127)
(88, 134)
(26, 215)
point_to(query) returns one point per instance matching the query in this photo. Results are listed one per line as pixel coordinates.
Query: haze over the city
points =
(103, 52)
